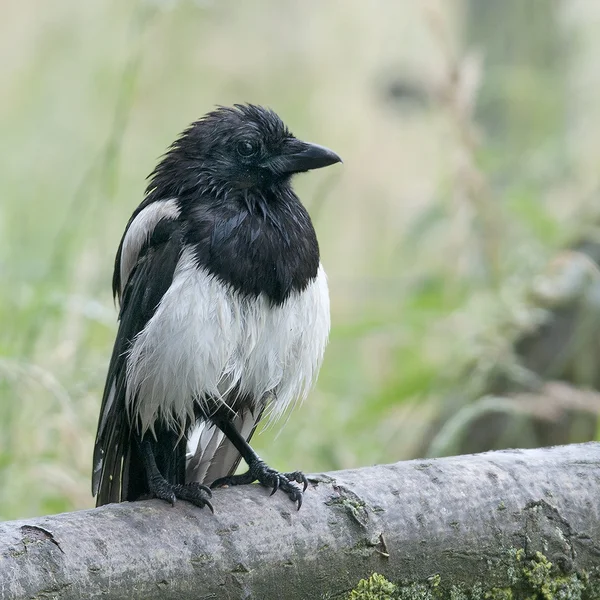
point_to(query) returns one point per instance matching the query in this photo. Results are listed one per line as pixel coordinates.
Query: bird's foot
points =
(196, 493)
(261, 472)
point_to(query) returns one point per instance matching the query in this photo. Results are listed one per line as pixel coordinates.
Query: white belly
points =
(205, 339)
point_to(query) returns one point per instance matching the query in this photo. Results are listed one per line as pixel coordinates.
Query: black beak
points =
(302, 156)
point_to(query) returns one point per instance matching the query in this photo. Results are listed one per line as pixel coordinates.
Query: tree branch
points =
(452, 523)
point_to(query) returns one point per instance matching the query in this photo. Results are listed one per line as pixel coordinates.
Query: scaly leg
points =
(195, 493)
(258, 470)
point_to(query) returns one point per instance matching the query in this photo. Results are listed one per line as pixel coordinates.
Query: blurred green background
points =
(460, 236)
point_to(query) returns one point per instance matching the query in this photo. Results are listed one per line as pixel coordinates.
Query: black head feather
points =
(235, 148)
(230, 173)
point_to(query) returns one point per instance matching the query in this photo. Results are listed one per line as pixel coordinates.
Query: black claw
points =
(200, 487)
(275, 485)
(259, 471)
(298, 477)
(195, 493)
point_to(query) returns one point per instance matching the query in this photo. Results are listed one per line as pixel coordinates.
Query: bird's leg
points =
(258, 470)
(159, 487)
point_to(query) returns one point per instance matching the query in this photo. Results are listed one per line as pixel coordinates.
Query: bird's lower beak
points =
(302, 156)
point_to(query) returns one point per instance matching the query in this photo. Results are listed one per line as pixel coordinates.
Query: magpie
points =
(224, 313)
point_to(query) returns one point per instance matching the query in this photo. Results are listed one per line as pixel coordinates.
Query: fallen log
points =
(490, 523)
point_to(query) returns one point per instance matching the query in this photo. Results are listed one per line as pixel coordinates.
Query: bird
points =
(223, 313)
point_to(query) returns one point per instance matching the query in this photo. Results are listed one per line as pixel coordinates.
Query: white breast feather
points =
(205, 339)
(139, 231)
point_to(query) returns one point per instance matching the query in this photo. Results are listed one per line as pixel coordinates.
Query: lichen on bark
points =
(529, 578)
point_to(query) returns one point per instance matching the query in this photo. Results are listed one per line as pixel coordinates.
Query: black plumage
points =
(219, 207)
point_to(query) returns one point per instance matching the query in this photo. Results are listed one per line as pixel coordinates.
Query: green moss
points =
(377, 587)
(499, 594)
(546, 584)
(537, 571)
(415, 591)
(529, 578)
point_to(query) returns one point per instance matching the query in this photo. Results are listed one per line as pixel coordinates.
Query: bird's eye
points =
(246, 148)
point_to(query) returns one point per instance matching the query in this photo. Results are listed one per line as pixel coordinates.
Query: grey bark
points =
(459, 518)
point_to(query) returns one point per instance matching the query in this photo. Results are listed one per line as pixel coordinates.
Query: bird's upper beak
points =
(299, 156)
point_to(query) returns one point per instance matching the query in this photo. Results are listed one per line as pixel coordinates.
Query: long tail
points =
(119, 472)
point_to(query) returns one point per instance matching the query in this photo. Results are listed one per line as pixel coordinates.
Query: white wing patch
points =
(205, 339)
(139, 231)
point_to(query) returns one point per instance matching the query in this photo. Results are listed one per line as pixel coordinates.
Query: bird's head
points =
(237, 148)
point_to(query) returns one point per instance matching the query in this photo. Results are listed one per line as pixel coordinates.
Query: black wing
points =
(118, 472)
